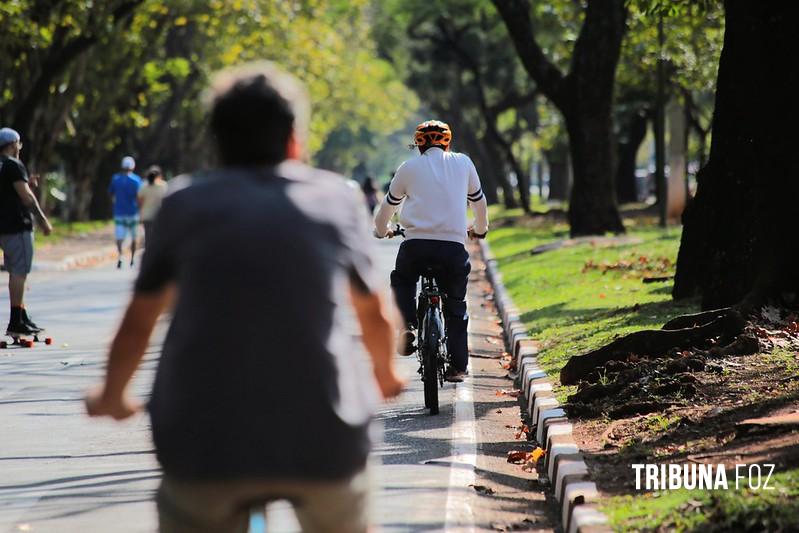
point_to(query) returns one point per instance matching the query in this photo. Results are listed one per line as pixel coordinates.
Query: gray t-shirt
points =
(259, 376)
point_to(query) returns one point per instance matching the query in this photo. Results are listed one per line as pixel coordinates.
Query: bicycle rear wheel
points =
(430, 377)
(429, 346)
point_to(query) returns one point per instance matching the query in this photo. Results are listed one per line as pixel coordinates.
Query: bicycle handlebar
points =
(399, 230)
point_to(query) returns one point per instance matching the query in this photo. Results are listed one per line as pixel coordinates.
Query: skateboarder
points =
(124, 189)
(280, 250)
(18, 205)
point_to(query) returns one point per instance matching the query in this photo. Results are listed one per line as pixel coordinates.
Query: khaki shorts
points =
(224, 507)
(18, 252)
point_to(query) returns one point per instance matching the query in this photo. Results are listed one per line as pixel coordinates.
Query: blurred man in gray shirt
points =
(269, 252)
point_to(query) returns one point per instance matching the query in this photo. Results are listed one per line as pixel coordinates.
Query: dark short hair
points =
(254, 111)
(153, 172)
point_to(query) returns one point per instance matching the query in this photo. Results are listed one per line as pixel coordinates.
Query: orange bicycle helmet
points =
(432, 133)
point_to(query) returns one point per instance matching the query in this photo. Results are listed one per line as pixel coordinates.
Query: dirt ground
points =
(512, 499)
(688, 407)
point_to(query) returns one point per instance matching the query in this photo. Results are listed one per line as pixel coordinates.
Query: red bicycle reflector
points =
(434, 300)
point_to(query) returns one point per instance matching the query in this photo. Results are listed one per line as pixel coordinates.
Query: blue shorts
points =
(126, 226)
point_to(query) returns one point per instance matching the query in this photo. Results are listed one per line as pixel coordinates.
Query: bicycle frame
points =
(431, 342)
(432, 326)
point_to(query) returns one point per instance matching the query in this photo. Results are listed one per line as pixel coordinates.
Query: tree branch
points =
(56, 63)
(516, 14)
(512, 100)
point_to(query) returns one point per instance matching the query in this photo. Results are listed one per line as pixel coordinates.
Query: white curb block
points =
(568, 475)
(576, 494)
(567, 468)
(584, 516)
(557, 449)
(544, 415)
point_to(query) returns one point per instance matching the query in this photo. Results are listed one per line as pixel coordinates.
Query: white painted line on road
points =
(460, 515)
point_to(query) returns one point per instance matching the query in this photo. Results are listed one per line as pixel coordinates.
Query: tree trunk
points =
(496, 161)
(677, 190)
(739, 243)
(560, 178)
(522, 179)
(506, 147)
(584, 96)
(489, 176)
(79, 194)
(627, 148)
(592, 209)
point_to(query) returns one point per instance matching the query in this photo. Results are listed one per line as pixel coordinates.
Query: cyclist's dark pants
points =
(451, 261)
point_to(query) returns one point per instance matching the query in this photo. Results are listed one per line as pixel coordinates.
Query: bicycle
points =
(431, 341)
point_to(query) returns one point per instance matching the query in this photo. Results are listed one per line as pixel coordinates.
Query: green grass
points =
(62, 230)
(570, 309)
(711, 511)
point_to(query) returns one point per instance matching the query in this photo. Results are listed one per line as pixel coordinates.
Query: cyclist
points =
(435, 187)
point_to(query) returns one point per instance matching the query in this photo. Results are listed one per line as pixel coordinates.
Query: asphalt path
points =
(61, 471)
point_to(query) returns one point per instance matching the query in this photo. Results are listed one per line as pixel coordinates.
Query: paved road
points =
(60, 471)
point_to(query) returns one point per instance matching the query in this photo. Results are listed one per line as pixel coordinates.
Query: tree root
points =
(638, 408)
(696, 319)
(743, 345)
(722, 325)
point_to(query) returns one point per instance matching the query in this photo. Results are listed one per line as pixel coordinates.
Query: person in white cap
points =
(124, 189)
(18, 205)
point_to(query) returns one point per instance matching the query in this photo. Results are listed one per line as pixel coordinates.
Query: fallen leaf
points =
(537, 454)
(514, 393)
(518, 457)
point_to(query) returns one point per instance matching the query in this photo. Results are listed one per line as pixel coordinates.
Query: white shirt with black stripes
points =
(432, 190)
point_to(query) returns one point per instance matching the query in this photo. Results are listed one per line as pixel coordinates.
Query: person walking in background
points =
(124, 189)
(276, 239)
(370, 193)
(151, 195)
(18, 205)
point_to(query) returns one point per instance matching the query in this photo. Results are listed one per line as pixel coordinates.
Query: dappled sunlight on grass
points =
(571, 308)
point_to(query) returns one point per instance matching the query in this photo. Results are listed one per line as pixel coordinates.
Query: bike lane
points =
(60, 471)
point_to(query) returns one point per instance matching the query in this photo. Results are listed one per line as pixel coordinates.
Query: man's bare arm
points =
(375, 316)
(29, 200)
(127, 350)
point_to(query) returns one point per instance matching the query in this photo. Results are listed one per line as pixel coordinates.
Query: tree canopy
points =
(87, 82)
(129, 77)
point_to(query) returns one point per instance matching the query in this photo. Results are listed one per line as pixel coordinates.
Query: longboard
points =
(24, 341)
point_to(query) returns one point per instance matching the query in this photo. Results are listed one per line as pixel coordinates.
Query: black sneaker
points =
(405, 342)
(30, 323)
(455, 376)
(119, 263)
(19, 329)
